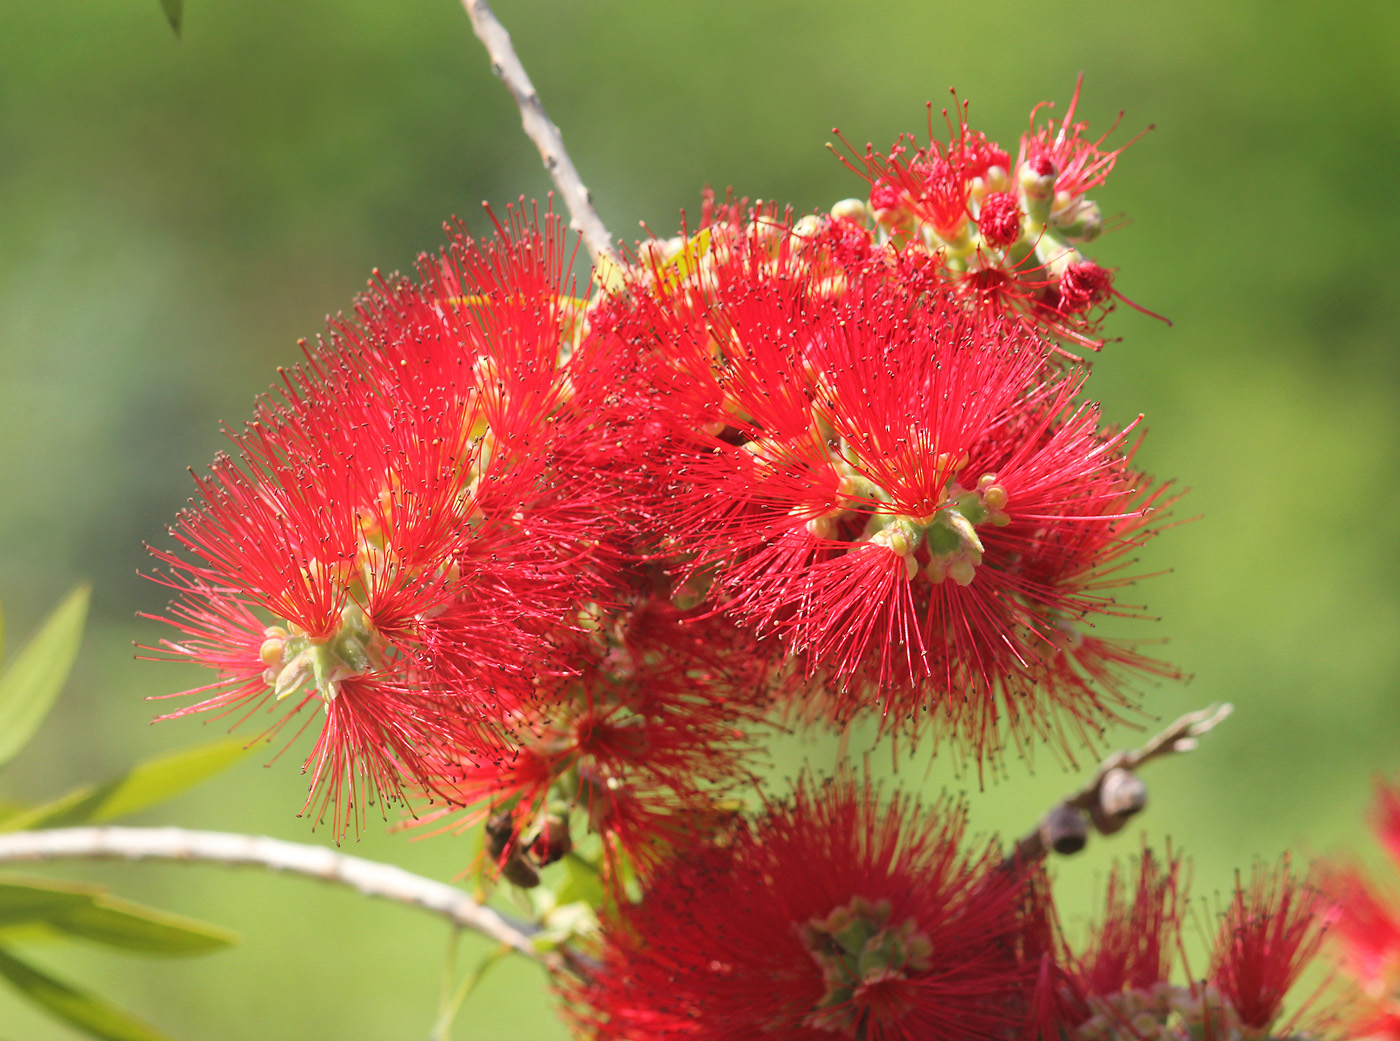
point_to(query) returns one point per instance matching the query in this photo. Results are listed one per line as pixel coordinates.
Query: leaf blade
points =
(24, 900)
(174, 14)
(128, 926)
(88, 912)
(147, 783)
(89, 1013)
(32, 682)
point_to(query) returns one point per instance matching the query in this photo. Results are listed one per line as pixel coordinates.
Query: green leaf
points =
(35, 900)
(148, 783)
(87, 1012)
(174, 13)
(29, 686)
(88, 912)
(143, 930)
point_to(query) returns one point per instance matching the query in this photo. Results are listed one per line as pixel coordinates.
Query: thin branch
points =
(1115, 793)
(540, 129)
(384, 881)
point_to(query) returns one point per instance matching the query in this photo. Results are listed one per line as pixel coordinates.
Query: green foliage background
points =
(174, 215)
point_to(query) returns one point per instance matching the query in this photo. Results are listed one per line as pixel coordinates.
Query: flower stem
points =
(383, 881)
(540, 129)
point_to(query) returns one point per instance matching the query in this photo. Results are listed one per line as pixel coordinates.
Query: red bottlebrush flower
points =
(1120, 988)
(1368, 930)
(654, 729)
(391, 545)
(1077, 164)
(1081, 286)
(1006, 236)
(1386, 818)
(833, 915)
(1271, 931)
(1138, 939)
(901, 491)
(932, 184)
(999, 219)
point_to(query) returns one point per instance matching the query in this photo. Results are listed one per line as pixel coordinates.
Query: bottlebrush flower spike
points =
(1076, 164)
(1271, 931)
(1134, 946)
(904, 493)
(655, 727)
(930, 189)
(1005, 234)
(1120, 987)
(389, 546)
(834, 915)
(1368, 930)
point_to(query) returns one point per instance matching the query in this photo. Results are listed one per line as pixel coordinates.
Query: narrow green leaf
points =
(34, 900)
(74, 909)
(143, 930)
(32, 682)
(87, 1012)
(163, 777)
(174, 13)
(148, 783)
(56, 810)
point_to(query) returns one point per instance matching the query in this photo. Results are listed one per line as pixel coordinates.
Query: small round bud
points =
(807, 226)
(270, 653)
(554, 841)
(852, 210)
(1122, 794)
(962, 572)
(1000, 219)
(1037, 180)
(1064, 830)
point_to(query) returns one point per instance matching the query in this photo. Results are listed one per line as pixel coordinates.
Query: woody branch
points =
(1115, 794)
(540, 129)
(382, 881)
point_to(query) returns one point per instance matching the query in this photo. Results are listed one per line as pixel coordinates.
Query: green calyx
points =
(295, 660)
(954, 548)
(855, 946)
(945, 542)
(1166, 1011)
(1037, 194)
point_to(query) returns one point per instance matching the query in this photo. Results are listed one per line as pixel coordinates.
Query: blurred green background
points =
(174, 215)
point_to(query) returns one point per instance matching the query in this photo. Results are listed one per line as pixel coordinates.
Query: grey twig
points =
(540, 129)
(384, 881)
(1114, 794)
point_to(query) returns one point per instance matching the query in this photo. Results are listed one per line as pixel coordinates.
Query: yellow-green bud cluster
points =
(295, 660)
(1165, 1012)
(855, 945)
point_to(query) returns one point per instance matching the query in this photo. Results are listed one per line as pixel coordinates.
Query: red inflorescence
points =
(835, 915)
(391, 545)
(1368, 931)
(1078, 164)
(904, 492)
(1138, 939)
(653, 730)
(1272, 929)
(1121, 986)
(542, 559)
